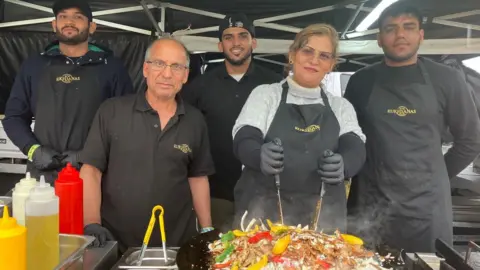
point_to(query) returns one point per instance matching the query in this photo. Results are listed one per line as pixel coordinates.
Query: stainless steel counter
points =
(432, 260)
(97, 258)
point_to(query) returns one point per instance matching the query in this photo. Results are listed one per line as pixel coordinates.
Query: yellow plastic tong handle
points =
(151, 224)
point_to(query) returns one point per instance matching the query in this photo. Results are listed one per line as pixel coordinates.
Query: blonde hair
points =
(319, 29)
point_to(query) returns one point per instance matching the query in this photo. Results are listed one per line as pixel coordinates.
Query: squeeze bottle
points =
(13, 243)
(69, 189)
(43, 239)
(20, 194)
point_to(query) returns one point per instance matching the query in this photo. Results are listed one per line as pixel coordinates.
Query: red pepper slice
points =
(259, 236)
(277, 259)
(324, 264)
(222, 265)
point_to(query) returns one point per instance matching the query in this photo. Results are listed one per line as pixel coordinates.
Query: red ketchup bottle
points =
(69, 189)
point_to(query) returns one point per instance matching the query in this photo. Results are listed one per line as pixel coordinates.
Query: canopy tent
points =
(129, 25)
(450, 25)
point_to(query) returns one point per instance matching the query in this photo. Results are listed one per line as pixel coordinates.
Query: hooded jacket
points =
(22, 106)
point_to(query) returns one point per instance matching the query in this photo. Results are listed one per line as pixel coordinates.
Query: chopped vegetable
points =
(277, 229)
(281, 245)
(259, 236)
(269, 223)
(235, 266)
(225, 254)
(352, 240)
(227, 237)
(277, 259)
(259, 265)
(239, 233)
(324, 264)
(222, 265)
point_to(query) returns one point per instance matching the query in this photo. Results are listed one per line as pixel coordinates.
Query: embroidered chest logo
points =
(309, 129)
(402, 111)
(183, 147)
(67, 78)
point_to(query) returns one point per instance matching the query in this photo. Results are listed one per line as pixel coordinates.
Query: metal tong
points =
(318, 209)
(148, 233)
(278, 142)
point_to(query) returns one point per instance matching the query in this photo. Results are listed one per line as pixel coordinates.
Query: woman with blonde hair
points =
(307, 136)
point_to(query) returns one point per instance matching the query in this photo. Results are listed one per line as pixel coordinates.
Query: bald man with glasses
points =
(146, 150)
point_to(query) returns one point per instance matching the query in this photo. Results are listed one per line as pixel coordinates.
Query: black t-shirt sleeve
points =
(202, 163)
(462, 119)
(358, 91)
(97, 146)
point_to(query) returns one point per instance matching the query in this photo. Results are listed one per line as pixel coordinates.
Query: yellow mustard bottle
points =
(13, 243)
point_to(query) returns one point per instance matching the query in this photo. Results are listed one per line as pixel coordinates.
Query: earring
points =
(290, 62)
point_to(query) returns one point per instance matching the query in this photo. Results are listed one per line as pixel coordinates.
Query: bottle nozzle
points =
(5, 212)
(27, 176)
(42, 181)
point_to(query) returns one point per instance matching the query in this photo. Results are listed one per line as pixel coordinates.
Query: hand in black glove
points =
(101, 234)
(331, 169)
(271, 158)
(71, 157)
(45, 158)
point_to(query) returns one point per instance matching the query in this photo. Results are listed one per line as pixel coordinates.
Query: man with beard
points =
(62, 89)
(403, 105)
(220, 94)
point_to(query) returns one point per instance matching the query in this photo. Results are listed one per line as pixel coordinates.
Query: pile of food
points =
(289, 247)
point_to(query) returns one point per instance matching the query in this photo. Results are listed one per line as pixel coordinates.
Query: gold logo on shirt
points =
(402, 111)
(309, 129)
(67, 78)
(183, 147)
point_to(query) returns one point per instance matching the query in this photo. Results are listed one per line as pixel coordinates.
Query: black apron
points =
(67, 92)
(300, 181)
(401, 197)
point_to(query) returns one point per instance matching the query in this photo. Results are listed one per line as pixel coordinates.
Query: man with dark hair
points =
(402, 196)
(62, 89)
(220, 94)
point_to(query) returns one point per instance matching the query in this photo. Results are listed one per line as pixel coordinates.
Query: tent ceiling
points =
(445, 33)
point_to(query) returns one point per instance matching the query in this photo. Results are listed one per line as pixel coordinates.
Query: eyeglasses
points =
(311, 53)
(158, 65)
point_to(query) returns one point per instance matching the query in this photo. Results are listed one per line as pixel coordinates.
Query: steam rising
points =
(369, 224)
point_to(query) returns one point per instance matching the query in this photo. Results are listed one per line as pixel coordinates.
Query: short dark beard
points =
(81, 37)
(240, 61)
(399, 59)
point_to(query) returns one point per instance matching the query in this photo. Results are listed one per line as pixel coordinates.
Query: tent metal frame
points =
(275, 46)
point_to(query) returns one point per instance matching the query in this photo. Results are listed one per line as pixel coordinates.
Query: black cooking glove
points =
(71, 157)
(44, 158)
(101, 234)
(331, 169)
(271, 158)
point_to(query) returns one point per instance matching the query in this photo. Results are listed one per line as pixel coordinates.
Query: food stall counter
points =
(100, 258)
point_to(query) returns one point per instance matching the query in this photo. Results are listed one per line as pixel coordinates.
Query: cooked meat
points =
(293, 248)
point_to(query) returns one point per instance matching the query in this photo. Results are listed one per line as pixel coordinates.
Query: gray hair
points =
(187, 54)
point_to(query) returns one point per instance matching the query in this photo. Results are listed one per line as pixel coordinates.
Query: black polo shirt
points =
(221, 98)
(143, 166)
